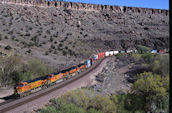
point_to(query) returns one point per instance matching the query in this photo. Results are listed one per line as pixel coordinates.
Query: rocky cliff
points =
(68, 32)
(83, 6)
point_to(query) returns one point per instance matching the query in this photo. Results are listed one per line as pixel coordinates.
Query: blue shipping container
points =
(88, 63)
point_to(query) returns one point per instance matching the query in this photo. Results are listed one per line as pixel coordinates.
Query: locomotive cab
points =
(19, 88)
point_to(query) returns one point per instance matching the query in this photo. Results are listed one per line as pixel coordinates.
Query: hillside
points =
(63, 36)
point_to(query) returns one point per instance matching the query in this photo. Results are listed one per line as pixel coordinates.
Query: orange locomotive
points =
(25, 88)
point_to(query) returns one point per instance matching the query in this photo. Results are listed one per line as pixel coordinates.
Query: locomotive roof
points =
(36, 79)
(80, 65)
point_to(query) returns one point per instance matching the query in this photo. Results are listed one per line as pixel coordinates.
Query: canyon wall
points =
(84, 6)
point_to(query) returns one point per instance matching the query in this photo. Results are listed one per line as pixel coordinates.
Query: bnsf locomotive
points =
(25, 88)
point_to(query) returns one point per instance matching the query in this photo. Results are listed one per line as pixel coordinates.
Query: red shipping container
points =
(98, 55)
(162, 51)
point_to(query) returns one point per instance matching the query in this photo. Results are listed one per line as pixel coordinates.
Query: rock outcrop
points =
(84, 6)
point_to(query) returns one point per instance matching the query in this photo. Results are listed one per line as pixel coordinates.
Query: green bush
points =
(151, 88)
(52, 46)
(49, 109)
(120, 101)
(161, 65)
(143, 49)
(64, 53)
(8, 47)
(103, 104)
(94, 111)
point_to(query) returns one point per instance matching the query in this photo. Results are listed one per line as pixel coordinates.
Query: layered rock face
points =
(50, 30)
(83, 6)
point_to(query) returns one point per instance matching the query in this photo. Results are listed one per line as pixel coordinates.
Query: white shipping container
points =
(154, 51)
(111, 53)
(107, 53)
(115, 52)
(129, 51)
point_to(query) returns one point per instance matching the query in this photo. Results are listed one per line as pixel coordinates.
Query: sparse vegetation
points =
(48, 32)
(64, 53)
(80, 101)
(150, 89)
(8, 47)
(51, 39)
(52, 46)
(142, 49)
(13, 69)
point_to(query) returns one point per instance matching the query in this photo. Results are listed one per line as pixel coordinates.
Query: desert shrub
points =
(94, 111)
(64, 53)
(35, 39)
(27, 34)
(69, 34)
(103, 104)
(10, 32)
(83, 101)
(55, 52)
(8, 66)
(55, 42)
(120, 101)
(49, 109)
(66, 47)
(51, 39)
(29, 51)
(52, 46)
(43, 42)
(152, 89)
(50, 50)
(6, 37)
(30, 44)
(46, 53)
(70, 108)
(34, 68)
(8, 47)
(48, 32)
(156, 63)
(136, 56)
(142, 49)
(44, 36)
(120, 55)
(60, 45)
(161, 65)
(30, 28)
(13, 37)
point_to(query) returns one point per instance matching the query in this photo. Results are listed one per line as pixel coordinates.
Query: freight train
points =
(25, 88)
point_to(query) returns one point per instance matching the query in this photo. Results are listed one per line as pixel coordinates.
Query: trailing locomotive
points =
(25, 88)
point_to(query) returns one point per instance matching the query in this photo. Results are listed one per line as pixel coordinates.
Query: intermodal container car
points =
(162, 51)
(129, 51)
(122, 51)
(101, 55)
(92, 61)
(111, 53)
(154, 51)
(95, 57)
(107, 53)
(88, 63)
(115, 52)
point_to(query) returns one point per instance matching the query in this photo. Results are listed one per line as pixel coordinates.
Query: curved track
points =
(16, 103)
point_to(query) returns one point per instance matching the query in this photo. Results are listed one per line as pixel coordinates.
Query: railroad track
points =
(16, 103)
